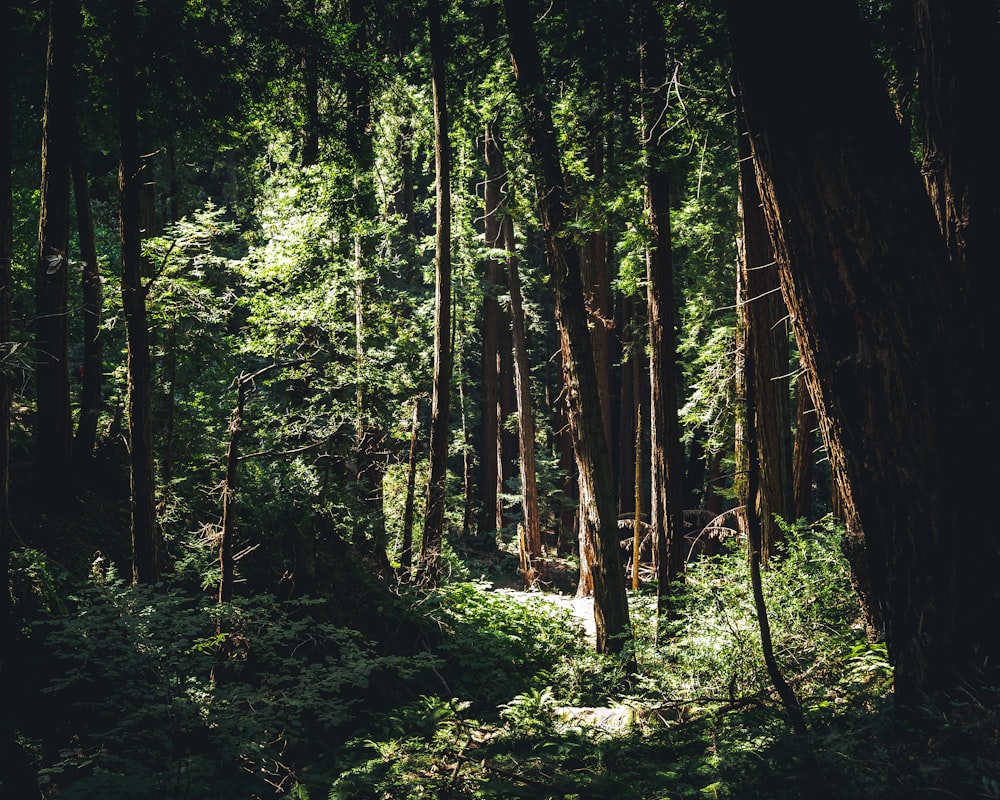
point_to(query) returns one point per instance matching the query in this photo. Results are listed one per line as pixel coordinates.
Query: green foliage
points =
(516, 641)
(165, 695)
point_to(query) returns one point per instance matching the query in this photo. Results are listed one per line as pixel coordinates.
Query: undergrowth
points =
(470, 692)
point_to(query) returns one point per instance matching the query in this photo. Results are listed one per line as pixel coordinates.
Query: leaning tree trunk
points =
(53, 424)
(597, 499)
(429, 568)
(765, 336)
(879, 321)
(145, 539)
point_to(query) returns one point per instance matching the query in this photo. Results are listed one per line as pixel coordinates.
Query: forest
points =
(498, 399)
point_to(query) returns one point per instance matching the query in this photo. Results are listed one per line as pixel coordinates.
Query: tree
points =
(6, 346)
(429, 568)
(93, 363)
(490, 439)
(666, 454)
(597, 500)
(762, 322)
(53, 424)
(145, 533)
(878, 317)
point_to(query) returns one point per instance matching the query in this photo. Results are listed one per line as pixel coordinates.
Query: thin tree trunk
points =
(597, 499)
(406, 548)
(803, 457)
(525, 415)
(755, 540)
(429, 568)
(93, 366)
(666, 453)
(6, 346)
(145, 539)
(227, 561)
(490, 437)
(53, 424)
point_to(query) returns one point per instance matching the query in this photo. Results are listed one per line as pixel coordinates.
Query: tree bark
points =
(93, 365)
(666, 452)
(490, 440)
(429, 568)
(145, 537)
(525, 416)
(879, 320)
(53, 424)
(762, 316)
(6, 346)
(597, 499)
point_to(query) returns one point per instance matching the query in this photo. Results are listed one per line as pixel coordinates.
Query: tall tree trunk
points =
(490, 437)
(762, 316)
(429, 568)
(666, 452)
(93, 365)
(18, 773)
(308, 63)
(597, 499)
(145, 538)
(881, 328)
(525, 415)
(957, 46)
(53, 424)
(597, 291)
(626, 408)
(227, 560)
(6, 346)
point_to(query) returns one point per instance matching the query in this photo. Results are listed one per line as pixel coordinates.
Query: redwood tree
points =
(145, 538)
(53, 425)
(429, 568)
(878, 316)
(597, 499)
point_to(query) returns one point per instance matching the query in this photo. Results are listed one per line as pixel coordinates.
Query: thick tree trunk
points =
(957, 46)
(93, 365)
(762, 316)
(880, 324)
(145, 538)
(429, 568)
(597, 499)
(53, 424)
